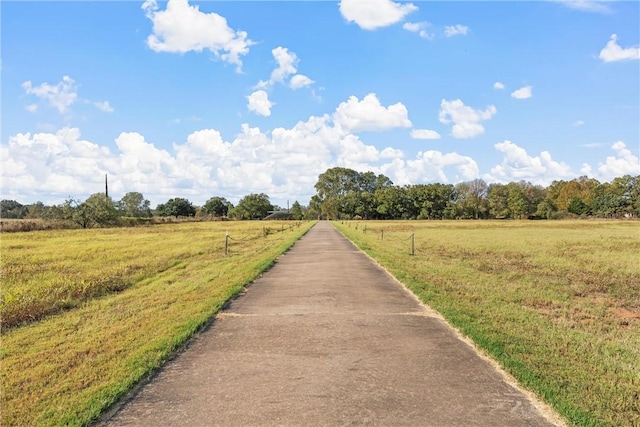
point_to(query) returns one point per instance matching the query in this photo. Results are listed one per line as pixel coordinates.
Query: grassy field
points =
(88, 313)
(556, 303)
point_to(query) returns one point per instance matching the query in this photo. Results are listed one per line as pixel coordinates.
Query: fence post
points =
(226, 244)
(413, 244)
(382, 234)
(365, 229)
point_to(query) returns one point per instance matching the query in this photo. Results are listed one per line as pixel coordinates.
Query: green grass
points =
(556, 303)
(76, 360)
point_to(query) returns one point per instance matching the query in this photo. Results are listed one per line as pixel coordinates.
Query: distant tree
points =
(497, 196)
(343, 192)
(253, 206)
(391, 202)
(133, 204)
(38, 210)
(217, 206)
(12, 209)
(100, 209)
(297, 212)
(177, 207)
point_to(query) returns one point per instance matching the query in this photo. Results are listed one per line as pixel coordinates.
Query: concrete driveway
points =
(327, 338)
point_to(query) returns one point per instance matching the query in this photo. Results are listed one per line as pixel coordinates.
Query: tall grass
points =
(137, 295)
(556, 303)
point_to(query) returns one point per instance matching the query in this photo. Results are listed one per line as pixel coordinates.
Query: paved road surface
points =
(327, 338)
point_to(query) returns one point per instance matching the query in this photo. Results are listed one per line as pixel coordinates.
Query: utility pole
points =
(106, 187)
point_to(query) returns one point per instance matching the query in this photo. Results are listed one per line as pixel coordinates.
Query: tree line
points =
(343, 193)
(100, 210)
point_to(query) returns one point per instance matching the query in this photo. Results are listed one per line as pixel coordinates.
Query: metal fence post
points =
(226, 244)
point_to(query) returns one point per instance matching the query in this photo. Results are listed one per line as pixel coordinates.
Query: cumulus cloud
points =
(430, 166)
(518, 165)
(624, 162)
(419, 28)
(259, 103)
(424, 134)
(613, 52)
(284, 163)
(522, 93)
(369, 115)
(498, 85)
(182, 28)
(299, 81)
(287, 64)
(60, 96)
(455, 30)
(466, 120)
(374, 14)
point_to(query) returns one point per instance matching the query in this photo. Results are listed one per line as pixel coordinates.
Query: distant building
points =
(284, 214)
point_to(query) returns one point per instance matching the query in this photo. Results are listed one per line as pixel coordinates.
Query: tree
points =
(133, 204)
(12, 209)
(253, 206)
(297, 212)
(101, 210)
(497, 195)
(217, 206)
(176, 207)
(344, 192)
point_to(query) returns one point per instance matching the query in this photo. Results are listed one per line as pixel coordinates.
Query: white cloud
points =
(374, 14)
(299, 81)
(32, 108)
(578, 123)
(430, 166)
(424, 134)
(597, 6)
(104, 106)
(522, 93)
(466, 120)
(420, 28)
(518, 165)
(455, 30)
(182, 28)
(287, 64)
(369, 115)
(612, 52)
(60, 96)
(259, 103)
(498, 85)
(623, 163)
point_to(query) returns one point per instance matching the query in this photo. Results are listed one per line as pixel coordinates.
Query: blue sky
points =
(199, 98)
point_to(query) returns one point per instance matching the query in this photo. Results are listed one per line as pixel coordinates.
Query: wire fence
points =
(397, 239)
(230, 240)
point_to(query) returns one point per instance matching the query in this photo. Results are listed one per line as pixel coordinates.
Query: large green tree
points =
(344, 192)
(252, 206)
(177, 207)
(217, 206)
(133, 204)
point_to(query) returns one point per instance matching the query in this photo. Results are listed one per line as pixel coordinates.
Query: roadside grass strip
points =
(136, 296)
(557, 304)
